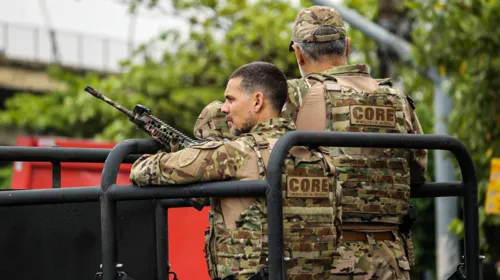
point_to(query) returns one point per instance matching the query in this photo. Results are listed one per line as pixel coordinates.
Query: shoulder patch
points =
(188, 156)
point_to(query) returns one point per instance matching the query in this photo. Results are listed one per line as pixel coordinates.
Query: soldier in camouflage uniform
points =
(236, 242)
(375, 183)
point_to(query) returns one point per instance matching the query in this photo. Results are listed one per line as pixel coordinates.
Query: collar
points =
(277, 126)
(348, 69)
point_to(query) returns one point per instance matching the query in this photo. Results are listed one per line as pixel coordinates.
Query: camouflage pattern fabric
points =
(308, 20)
(311, 202)
(211, 123)
(381, 260)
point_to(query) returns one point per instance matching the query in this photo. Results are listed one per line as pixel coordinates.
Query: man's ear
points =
(299, 55)
(258, 102)
(347, 45)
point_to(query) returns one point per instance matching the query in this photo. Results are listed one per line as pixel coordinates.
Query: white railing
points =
(72, 49)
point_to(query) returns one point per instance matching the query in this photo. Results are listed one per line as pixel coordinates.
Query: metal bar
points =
(49, 196)
(353, 139)
(438, 189)
(56, 174)
(79, 46)
(36, 44)
(174, 203)
(109, 238)
(161, 227)
(105, 53)
(5, 38)
(108, 206)
(215, 189)
(49, 154)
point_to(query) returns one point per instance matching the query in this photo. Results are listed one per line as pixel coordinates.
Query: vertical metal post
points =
(161, 216)
(447, 257)
(80, 50)
(105, 53)
(108, 206)
(109, 237)
(56, 174)
(6, 37)
(36, 44)
(108, 209)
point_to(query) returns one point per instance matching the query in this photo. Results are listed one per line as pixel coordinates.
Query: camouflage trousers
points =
(371, 259)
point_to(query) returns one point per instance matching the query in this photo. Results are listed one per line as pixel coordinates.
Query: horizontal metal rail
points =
(375, 140)
(215, 189)
(49, 196)
(128, 151)
(57, 154)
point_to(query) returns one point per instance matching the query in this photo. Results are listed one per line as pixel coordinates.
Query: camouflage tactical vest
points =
(310, 221)
(374, 182)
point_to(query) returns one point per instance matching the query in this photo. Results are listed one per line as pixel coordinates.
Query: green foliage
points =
(222, 37)
(5, 176)
(462, 39)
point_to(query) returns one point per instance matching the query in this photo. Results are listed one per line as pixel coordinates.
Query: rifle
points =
(152, 126)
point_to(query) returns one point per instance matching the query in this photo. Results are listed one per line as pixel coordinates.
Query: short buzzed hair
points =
(265, 77)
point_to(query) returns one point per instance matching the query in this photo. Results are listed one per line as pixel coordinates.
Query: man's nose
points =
(225, 108)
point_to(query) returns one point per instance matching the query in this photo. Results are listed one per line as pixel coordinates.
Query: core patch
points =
(373, 115)
(308, 187)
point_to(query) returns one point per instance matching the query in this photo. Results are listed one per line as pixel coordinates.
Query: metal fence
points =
(127, 151)
(72, 49)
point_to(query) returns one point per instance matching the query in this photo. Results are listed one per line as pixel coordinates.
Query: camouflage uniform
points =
(375, 183)
(237, 242)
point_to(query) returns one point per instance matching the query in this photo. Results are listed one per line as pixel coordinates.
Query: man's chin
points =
(235, 131)
(238, 131)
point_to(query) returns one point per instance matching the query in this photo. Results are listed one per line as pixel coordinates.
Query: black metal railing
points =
(127, 151)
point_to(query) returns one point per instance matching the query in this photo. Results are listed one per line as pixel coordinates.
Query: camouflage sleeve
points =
(297, 89)
(211, 161)
(418, 161)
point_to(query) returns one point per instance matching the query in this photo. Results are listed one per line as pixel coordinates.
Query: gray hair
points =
(315, 51)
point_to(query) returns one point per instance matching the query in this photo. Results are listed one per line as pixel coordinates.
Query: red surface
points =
(186, 225)
(186, 241)
(38, 175)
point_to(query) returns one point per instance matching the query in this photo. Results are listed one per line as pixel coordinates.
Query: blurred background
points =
(175, 56)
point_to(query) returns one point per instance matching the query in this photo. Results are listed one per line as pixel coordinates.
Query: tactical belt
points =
(349, 235)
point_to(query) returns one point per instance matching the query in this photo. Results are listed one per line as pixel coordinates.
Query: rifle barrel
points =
(101, 96)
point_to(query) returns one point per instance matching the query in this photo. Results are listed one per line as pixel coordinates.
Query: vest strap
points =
(263, 146)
